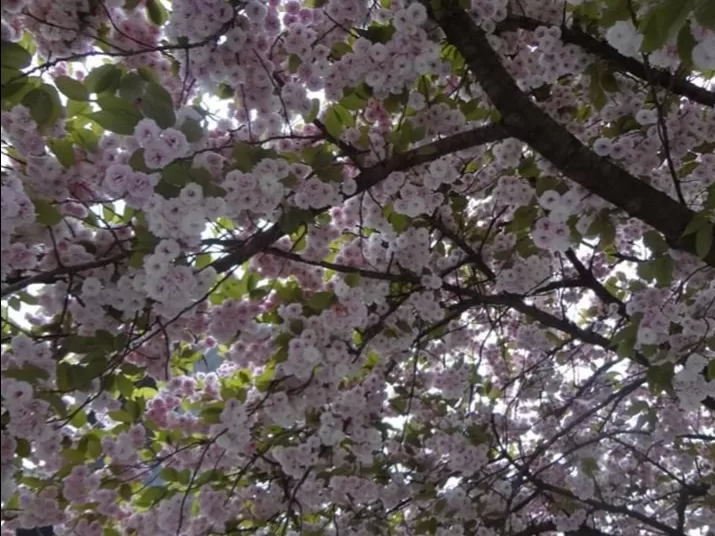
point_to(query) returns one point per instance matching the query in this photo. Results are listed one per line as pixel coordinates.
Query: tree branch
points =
(523, 119)
(606, 52)
(590, 281)
(366, 180)
(54, 275)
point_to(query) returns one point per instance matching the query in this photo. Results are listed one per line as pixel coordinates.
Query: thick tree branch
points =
(523, 119)
(620, 62)
(613, 508)
(366, 180)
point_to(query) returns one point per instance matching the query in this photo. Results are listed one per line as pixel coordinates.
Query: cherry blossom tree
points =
(452, 261)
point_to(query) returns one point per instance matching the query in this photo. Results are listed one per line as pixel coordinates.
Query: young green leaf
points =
(156, 12)
(46, 213)
(333, 122)
(314, 109)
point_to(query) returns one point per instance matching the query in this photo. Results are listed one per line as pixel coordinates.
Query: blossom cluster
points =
(301, 321)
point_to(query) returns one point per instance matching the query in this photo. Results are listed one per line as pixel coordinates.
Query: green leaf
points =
(353, 279)
(27, 373)
(114, 122)
(686, 43)
(608, 81)
(192, 130)
(346, 118)
(14, 56)
(399, 222)
(224, 91)
(63, 150)
(156, 12)
(44, 104)
(377, 33)
(75, 108)
(132, 86)
(711, 370)
(46, 213)
(660, 377)
(614, 12)
(74, 456)
(320, 301)
(418, 134)
(124, 385)
(314, 109)
(79, 419)
(71, 88)
(710, 200)
(662, 22)
(158, 105)
(704, 240)
(400, 405)
(393, 103)
(118, 105)
(169, 474)
(211, 415)
(117, 115)
(136, 161)
(245, 156)
(294, 62)
(176, 174)
(15, 89)
(626, 338)
(147, 74)
(705, 14)
(40, 105)
(523, 219)
(694, 225)
(265, 379)
(655, 242)
(595, 92)
(662, 269)
(426, 526)
(8, 75)
(23, 448)
(353, 102)
(293, 219)
(151, 495)
(121, 416)
(66, 377)
(203, 260)
(333, 122)
(103, 78)
(86, 138)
